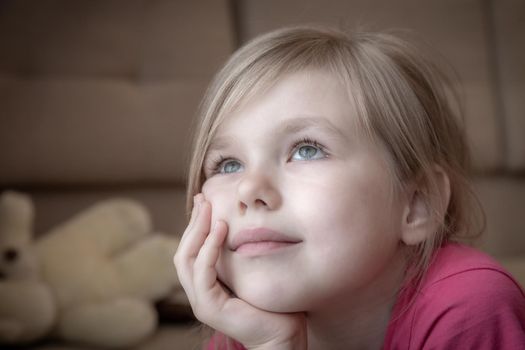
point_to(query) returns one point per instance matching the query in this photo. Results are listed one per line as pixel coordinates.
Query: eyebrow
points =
(295, 125)
(291, 126)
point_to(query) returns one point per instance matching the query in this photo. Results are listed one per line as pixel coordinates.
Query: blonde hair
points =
(403, 103)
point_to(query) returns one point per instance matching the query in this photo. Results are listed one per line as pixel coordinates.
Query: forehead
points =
(299, 100)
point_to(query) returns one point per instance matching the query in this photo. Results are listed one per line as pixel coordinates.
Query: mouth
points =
(260, 241)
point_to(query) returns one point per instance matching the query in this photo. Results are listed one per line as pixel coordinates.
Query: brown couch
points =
(98, 99)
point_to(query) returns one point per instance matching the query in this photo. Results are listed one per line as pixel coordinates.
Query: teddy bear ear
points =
(16, 216)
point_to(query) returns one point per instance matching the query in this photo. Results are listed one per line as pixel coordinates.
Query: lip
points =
(261, 240)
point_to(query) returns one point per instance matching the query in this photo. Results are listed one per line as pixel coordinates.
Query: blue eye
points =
(226, 166)
(231, 166)
(308, 150)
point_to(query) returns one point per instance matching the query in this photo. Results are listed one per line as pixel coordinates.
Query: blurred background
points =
(98, 99)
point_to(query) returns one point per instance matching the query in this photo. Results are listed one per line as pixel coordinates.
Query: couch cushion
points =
(104, 92)
(509, 28)
(132, 39)
(503, 199)
(95, 131)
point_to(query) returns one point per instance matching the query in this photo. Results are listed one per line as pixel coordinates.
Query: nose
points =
(257, 191)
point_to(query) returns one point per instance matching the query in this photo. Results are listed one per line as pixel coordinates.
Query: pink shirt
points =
(466, 301)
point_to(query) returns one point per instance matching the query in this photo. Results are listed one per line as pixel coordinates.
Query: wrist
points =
(297, 343)
(282, 346)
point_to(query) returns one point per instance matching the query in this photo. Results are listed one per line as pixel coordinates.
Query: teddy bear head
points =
(17, 258)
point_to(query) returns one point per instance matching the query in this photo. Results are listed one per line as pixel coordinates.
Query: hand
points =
(195, 261)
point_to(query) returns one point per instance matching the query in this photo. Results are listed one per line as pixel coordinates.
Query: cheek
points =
(342, 203)
(220, 197)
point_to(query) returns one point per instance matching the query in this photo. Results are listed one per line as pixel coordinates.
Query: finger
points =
(189, 247)
(205, 274)
(208, 256)
(195, 235)
(197, 200)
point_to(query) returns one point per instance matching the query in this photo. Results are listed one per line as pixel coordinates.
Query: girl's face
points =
(290, 171)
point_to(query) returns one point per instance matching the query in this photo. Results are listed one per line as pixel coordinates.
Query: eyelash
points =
(305, 141)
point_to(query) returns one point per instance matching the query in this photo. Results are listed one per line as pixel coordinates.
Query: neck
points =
(358, 320)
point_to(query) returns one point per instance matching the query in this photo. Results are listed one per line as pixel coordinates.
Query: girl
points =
(329, 189)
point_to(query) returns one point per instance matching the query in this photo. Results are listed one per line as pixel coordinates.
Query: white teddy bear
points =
(104, 269)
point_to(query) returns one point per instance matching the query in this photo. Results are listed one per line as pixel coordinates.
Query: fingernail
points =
(199, 198)
(195, 204)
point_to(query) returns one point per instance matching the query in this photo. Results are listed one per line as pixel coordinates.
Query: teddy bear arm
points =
(104, 229)
(16, 217)
(146, 269)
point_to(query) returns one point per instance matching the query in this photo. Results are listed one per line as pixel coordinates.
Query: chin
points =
(269, 298)
(263, 291)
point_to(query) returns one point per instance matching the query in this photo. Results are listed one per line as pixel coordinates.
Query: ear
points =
(16, 217)
(426, 208)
